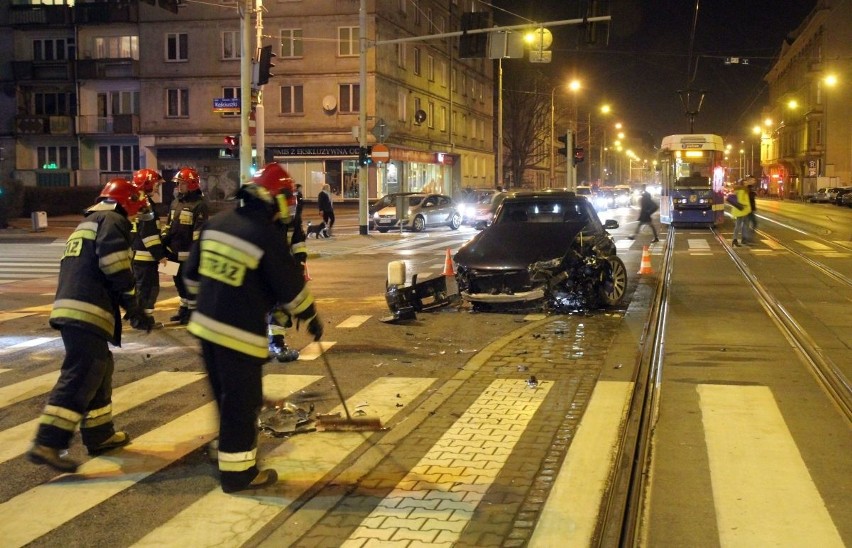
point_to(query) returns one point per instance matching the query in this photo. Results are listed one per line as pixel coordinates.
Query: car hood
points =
(517, 245)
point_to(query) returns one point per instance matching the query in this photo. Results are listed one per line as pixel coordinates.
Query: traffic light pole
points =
(245, 90)
(363, 170)
(570, 167)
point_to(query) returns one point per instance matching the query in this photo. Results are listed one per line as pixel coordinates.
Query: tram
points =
(692, 178)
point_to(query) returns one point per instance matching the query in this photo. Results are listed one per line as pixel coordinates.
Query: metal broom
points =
(328, 423)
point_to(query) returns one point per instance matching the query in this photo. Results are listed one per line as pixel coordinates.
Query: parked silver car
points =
(419, 212)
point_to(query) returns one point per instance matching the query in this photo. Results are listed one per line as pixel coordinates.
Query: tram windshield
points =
(693, 168)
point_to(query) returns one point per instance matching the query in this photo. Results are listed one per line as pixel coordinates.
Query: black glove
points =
(142, 321)
(314, 327)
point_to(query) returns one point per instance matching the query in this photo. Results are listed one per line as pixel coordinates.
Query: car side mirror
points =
(610, 224)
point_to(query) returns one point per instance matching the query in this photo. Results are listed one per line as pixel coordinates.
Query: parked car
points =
(846, 199)
(388, 200)
(622, 195)
(823, 196)
(841, 192)
(545, 249)
(420, 211)
(479, 206)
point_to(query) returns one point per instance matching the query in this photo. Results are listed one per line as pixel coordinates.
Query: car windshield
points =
(414, 201)
(543, 211)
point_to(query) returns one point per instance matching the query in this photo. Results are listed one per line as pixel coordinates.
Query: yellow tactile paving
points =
(433, 503)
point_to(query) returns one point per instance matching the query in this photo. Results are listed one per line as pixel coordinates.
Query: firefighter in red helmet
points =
(187, 214)
(291, 223)
(238, 273)
(148, 249)
(95, 281)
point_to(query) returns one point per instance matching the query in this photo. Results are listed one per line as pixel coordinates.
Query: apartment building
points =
(95, 89)
(807, 138)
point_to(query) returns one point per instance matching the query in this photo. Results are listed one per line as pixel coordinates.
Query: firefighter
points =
(148, 250)
(239, 272)
(95, 279)
(187, 214)
(278, 320)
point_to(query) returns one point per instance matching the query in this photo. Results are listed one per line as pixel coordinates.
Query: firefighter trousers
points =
(82, 393)
(236, 379)
(147, 283)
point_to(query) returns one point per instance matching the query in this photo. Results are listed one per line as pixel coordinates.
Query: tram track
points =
(827, 373)
(623, 504)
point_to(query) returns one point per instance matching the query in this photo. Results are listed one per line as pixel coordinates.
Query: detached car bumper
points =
(503, 298)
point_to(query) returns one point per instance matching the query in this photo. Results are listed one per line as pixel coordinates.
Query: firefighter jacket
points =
(241, 269)
(186, 216)
(95, 277)
(297, 240)
(146, 241)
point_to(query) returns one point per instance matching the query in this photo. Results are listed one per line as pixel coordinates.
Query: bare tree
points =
(526, 125)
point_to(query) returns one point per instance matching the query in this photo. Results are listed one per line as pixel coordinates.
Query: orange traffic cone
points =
(645, 267)
(307, 274)
(448, 265)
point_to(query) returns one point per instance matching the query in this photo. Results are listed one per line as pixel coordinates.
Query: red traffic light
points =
(232, 140)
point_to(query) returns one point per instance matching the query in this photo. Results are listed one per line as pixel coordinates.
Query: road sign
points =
(539, 56)
(226, 104)
(381, 130)
(381, 153)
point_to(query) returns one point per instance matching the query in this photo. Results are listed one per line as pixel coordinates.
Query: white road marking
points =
(313, 350)
(353, 321)
(25, 344)
(762, 490)
(570, 513)
(698, 244)
(24, 390)
(816, 246)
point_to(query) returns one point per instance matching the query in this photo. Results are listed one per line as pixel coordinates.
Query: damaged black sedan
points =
(545, 250)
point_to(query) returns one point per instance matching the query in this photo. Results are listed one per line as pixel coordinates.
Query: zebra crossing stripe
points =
(15, 441)
(570, 514)
(301, 462)
(313, 350)
(26, 344)
(762, 490)
(26, 517)
(353, 321)
(423, 507)
(7, 316)
(24, 390)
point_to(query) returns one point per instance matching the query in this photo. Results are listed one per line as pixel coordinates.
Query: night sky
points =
(647, 59)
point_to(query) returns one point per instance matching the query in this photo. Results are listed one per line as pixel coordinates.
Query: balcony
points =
(120, 124)
(96, 69)
(100, 13)
(23, 14)
(28, 124)
(28, 71)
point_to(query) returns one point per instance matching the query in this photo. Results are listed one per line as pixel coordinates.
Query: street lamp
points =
(757, 131)
(573, 85)
(604, 109)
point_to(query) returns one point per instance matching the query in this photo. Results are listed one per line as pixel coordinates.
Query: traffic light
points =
(365, 156)
(579, 155)
(232, 146)
(264, 65)
(563, 150)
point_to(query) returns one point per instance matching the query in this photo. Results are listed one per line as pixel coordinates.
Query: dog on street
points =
(318, 231)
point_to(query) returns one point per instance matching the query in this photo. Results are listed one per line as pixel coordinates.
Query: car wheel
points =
(382, 230)
(455, 222)
(418, 224)
(614, 286)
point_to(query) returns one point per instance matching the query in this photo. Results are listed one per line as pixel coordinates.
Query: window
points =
(464, 125)
(347, 41)
(177, 103)
(57, 158)
(400, 55)
(430, 115)
(417, 16)
(291, 43)
(349, 98)
(454, 80)
(442, 121)
(455, 122)
(230, 93)
(417, 108)
(116, 47)
(430, 68)
(54, 49)
(417, 61)
(444, 72)
(464, 84)
(118, 158)
(177, 46)
(54, 104)
(230, 44)
(292, 100)
(401, 105)
(118, 102)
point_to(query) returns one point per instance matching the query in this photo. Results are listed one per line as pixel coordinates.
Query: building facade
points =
(807, 138)
(96, 89)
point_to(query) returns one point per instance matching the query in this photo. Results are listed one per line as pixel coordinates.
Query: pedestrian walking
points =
(647, 207)
(148, 250)
(751, 183)
(300, 200)
(188, 212)
(95, 281)
(326, 206)
(240, 270)
(740, 208)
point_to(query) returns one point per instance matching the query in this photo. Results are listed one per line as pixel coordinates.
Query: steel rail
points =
(622, 508)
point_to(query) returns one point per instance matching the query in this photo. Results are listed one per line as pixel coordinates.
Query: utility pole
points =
(245, 90)
(363, 170)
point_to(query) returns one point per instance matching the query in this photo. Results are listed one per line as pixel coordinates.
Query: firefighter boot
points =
(280, 351)
(119, 439)
(55, 458)
(183, 312)
(262, 479)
